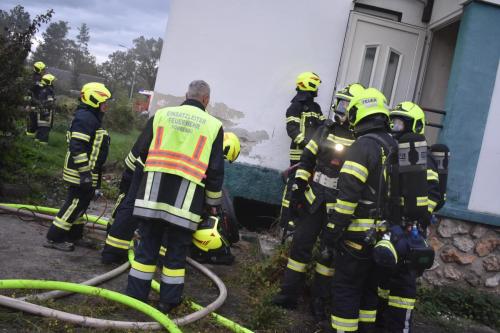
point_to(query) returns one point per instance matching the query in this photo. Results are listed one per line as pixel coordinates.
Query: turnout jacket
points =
(434, 192)
(88, 146)
(320, 164)
(359, 186)
(177, 183)
(303, 117)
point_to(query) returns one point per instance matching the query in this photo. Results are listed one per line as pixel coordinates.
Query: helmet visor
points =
(398, 125)
(341, 108)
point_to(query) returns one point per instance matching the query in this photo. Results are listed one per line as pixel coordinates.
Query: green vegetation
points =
(451, 302)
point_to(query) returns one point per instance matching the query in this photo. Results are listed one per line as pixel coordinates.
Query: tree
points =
(118, 70)
(81, 59)
(15, 44)
(146, 53)
(54, 49)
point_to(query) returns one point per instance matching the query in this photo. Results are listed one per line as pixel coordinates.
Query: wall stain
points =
(228, 116)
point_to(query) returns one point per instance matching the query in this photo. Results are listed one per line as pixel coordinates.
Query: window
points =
(391, 72)
(367, 67)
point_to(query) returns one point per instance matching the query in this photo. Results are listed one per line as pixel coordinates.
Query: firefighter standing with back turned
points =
(354, 285)
(397, 291)
(32, 98)
(45, 114)
(313, 194)
(303, 117)
(88, 145)
(183, 176)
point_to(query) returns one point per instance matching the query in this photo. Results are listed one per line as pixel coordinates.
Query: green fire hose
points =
(94, 291)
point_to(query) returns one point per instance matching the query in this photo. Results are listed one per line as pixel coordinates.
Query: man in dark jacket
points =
(32, 97)
(183, 176)
(88, 145)
(303, 117)
(45, 114)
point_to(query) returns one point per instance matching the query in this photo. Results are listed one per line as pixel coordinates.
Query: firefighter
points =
(32, 98)
(397, 291)
(124, 224)
(354, 284)
(303, 117)
(313, 193)
(45, 114)
(88, 145)
(183, 176)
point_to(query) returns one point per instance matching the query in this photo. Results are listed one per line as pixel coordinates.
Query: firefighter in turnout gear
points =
(354, 284)
(45, 112)
(121, 231)
(88, 145)
(397, 290)
(303, 117)
(32, 97)
(313, 194)
(183, 176)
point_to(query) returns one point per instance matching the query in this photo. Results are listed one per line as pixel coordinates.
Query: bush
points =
(456, 302)
(120, 116)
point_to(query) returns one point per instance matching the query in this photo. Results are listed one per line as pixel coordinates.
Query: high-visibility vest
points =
(182, 142)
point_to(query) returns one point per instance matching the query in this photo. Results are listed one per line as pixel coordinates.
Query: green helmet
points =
(411, 114)
(344, 96)
(367, 103)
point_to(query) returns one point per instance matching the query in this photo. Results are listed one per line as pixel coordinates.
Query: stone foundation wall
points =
(467, 254)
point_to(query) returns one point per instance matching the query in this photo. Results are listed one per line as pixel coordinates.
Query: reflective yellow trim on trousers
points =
(303, 174)
(163, 251)
(355, 169)
(383, 293)
(401, 302)
(313, 147)
(118, 243)
(143, 267)
(296, 266)
(345, 324)
(361, 224)
(213, 195)
(422, 201)
(432, 175)
(70, 210)
(173, 272)
(61, 224)
(324, 270)
(367, 316)
(345, 207)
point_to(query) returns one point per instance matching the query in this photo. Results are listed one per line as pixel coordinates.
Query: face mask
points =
(342, 105)
(398, 125)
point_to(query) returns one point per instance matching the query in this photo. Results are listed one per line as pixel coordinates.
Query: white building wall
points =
(250, 53)
(486, 188)
(445, 10)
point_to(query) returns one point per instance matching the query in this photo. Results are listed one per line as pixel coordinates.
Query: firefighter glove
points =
(331, 235)
(297, 201)
(85, 180)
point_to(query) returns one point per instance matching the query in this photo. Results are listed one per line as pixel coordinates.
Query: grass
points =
(39, 167)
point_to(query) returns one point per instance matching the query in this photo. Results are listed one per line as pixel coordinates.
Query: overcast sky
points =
(111, 22)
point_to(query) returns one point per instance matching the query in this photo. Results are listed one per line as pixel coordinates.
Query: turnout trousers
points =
(122, 230)
(285, 215)
(308, 229)
(177, 241)
(397, 295)
(354, 288)
(31, 121)
(65, 226)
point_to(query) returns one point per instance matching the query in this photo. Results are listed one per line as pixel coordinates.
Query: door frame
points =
(355, 17)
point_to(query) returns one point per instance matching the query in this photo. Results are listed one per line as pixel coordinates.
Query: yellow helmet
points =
(231, 147)
(207, 237)
(94, 94)
(308, 81)
(38, 67)
(367, 103)
(344, 96)
(48, 79)
(412, 113)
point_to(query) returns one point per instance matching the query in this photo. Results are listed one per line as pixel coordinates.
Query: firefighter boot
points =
(318, 310)
(284, 301)
(61, 246)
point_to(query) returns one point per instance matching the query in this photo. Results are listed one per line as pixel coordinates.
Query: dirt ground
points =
(23, 257)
